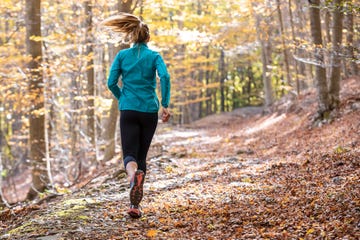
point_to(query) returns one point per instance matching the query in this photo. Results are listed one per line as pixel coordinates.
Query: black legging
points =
(137, 130)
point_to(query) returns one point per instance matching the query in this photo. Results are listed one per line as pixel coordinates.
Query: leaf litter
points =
(227, 176)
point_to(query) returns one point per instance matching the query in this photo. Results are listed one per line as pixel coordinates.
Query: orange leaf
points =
(152, 233)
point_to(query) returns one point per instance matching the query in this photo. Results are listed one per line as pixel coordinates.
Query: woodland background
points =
(58, 121)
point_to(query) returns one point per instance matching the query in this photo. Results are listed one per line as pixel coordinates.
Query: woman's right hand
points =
(165, 115)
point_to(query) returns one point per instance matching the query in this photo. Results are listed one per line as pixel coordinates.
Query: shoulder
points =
(155, 54)
(151, 54)
(122, 53)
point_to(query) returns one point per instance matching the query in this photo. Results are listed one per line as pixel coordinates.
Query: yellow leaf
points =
(36, 38)
(167, 208)
(169, 169)
(340, 150)
(310, 231)
(152, 233)
(246, 180)
(62, 190)
(211, 227)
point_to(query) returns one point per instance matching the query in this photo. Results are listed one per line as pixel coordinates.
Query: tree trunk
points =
(337, 27)
(268, 89)
(110, 132)
(265, 56)
(207, 81)
(248, 85)
(284, 48)
(36, 92)
(305, 70)
(294, 41)
(222, 75)
(320, 71)
(89, 52)
(349, 25)
(326, 39)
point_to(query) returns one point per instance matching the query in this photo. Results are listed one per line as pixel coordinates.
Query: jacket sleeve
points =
(164, 81)
(113, 79)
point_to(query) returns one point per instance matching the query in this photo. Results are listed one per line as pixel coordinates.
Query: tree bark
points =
(110, 132)
(306, 70)
(207, 81)
(294, 41)
(36, 90)
(284, 48)
(222, 76)
(337, 27)
(89, 52)
(265, 56)
(349, 25)
(320, 71)
(268, 89)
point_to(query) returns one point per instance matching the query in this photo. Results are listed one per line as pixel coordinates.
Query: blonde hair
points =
(134, 29)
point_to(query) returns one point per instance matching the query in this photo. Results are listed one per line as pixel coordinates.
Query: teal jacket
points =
(137, 67)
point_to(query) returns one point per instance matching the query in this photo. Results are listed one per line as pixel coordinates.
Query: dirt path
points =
(191, 193)
(231, 176)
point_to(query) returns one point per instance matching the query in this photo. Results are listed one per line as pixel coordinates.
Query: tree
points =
(90, 110)
(284, 48)
(320, 71)
(349, 25)
(109, 133)
(36, 92)
(264, 40)
(329, 94)
(336, 40)
(222, 76)
(294, 40)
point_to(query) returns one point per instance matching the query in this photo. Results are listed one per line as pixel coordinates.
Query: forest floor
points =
(238, 175)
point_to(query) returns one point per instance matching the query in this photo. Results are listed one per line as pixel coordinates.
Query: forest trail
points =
(239, 175)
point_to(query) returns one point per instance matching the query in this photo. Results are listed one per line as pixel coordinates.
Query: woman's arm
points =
(113, 79)
(164, 81)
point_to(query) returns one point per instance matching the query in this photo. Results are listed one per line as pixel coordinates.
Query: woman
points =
(138, 103)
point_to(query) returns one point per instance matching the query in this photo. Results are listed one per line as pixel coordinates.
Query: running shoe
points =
(134, 211)
(136, 187)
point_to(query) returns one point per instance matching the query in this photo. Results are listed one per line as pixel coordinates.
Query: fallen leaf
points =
(152, 233)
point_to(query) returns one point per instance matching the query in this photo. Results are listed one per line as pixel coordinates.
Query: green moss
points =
(83, 217)
(21, 228)
(69, 212)
(72, 207)
(78, 201)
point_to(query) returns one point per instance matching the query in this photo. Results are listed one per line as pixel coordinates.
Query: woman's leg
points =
(130, 132)
(148, 126)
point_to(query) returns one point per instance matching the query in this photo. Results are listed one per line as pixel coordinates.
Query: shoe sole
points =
(134, 213)
(136, 191)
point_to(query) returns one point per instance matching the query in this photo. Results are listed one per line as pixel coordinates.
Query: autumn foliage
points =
(263, 142)
(255, 176)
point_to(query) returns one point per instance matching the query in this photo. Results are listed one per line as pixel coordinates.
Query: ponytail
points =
(134, 29)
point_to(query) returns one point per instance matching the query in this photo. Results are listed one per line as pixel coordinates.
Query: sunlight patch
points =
(180, 134)
(267, 123)
(199, 140)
